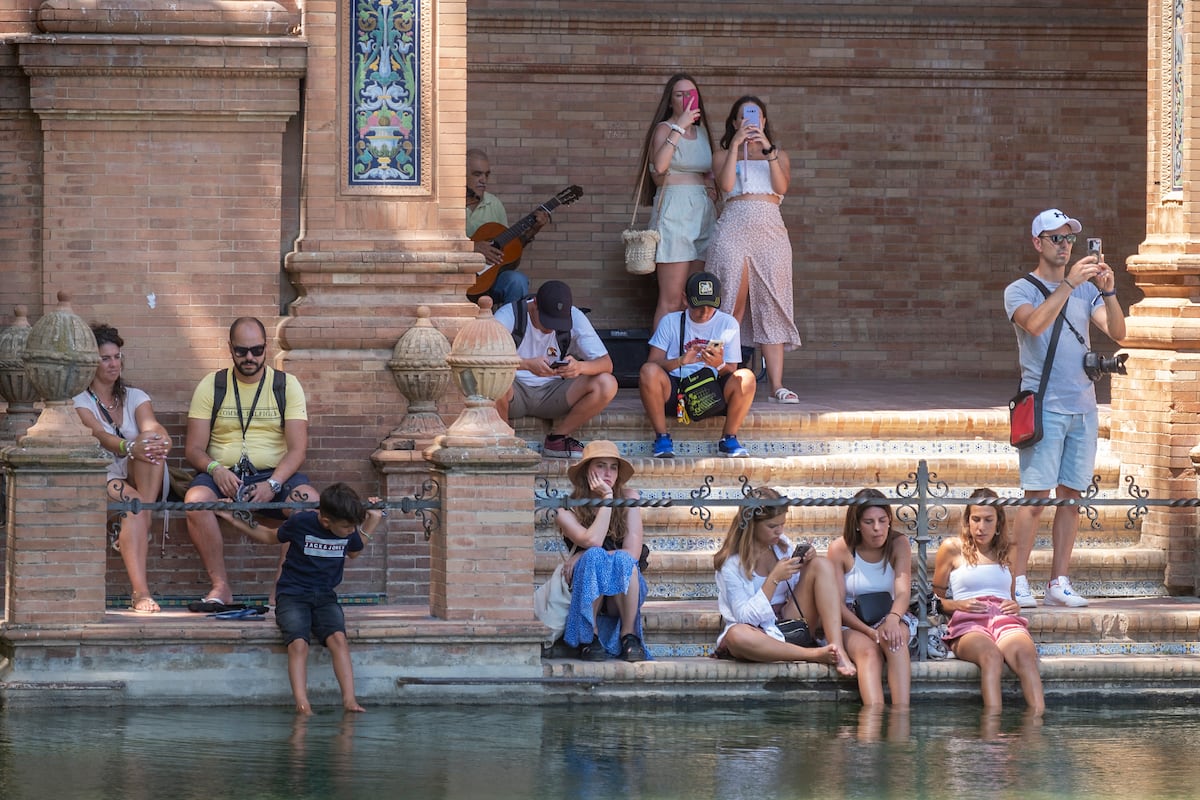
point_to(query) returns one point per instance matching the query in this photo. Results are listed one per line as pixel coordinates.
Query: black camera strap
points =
(1058, 323)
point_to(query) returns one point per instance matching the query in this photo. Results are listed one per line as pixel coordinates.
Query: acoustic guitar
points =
(508, 240)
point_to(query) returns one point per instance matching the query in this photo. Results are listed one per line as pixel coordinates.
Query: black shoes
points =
(632, 648)
(592, 651)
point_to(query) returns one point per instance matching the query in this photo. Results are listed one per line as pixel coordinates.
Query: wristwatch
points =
(275, 485)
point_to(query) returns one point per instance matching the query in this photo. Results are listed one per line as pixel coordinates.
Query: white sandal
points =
(784, 395)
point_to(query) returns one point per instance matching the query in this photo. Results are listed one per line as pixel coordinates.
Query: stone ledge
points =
(181, 17)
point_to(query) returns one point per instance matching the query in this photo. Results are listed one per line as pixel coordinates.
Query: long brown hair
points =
(1000, 541)
(740, 538)
(617, 525)
(662, 114)
(851, 534)
(731, 120)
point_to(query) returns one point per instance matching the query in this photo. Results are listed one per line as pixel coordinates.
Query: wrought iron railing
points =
(920, 502)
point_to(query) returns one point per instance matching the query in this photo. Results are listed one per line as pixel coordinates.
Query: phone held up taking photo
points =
(750, 115)
(1096, 248)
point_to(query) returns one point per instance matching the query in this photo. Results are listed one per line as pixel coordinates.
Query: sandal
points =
(143, 604)
(784, 395)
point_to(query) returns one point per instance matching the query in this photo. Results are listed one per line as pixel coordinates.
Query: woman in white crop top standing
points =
(973, 582)
(750, 251)
(677, 153)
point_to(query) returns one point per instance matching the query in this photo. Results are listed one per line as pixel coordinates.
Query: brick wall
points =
(923, 138)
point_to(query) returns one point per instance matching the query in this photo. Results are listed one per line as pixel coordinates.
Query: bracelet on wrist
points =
(1068, 283)
(123, 448)
(776, 158)
(212, 465)
(768, 150)
(676, 128)
(1108, 294)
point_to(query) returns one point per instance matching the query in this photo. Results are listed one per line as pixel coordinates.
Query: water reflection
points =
(792, 750)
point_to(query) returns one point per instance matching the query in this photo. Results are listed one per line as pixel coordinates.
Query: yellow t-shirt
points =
(265, 443)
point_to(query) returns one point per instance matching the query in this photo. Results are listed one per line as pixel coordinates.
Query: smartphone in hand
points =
(691, 100)
(801, 550)
(1096, 248)
(751, 115)
(557, 364)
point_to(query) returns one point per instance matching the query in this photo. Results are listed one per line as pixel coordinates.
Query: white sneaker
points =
(1060, 593)
(1023, 594)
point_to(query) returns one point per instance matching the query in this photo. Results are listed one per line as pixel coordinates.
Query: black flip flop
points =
(210, 606)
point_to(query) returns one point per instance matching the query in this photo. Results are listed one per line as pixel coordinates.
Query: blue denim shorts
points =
(1065, 456)
(315, 613)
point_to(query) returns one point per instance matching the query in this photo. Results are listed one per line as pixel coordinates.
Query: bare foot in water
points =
(352, 705)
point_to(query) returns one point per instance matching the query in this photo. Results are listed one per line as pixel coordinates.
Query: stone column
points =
(56, 487)
(372, 246)
(1156, 408)
(482, 554)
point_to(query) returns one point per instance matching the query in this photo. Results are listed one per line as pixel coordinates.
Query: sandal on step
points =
(143, 604)
(783, 395)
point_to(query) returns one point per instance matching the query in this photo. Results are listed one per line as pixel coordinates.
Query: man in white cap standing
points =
(1065, 457)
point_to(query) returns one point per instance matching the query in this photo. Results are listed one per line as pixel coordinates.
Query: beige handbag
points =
(640, 245)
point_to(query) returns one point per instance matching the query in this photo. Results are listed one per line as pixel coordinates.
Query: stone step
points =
(679, 529)
(1095, 572)
(403, 656)
(1157, 625)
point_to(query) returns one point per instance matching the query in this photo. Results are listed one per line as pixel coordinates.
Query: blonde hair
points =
(999, 541)
(740, 538)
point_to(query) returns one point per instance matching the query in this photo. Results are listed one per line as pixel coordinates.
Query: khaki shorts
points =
(548, 401)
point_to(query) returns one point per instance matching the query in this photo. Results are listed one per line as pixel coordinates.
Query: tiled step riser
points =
(676, 530)
(1057, 631)
(960, 473)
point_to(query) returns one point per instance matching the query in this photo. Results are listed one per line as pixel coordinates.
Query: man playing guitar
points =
(484, 208)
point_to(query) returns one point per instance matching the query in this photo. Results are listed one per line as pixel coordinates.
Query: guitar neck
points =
(525, 223)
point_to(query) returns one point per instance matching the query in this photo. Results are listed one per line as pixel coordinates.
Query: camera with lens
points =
(1097, 365)
(244, 468)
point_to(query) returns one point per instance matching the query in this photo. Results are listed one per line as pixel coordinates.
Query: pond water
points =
(789, 751)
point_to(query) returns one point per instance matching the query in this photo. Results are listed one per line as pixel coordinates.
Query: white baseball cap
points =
(1053, 219)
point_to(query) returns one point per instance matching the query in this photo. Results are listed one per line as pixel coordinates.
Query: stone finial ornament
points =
(483, 361)
(60, 361)
(15, 387)
(421, 373)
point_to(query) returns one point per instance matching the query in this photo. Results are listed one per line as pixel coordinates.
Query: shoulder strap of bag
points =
(521, 324)
(278, 388)
(1058, 323)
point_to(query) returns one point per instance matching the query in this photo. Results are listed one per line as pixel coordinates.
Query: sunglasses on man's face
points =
(1059, 238)
(256, 351)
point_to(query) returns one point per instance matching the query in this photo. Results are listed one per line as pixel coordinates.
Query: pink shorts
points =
(991, 623)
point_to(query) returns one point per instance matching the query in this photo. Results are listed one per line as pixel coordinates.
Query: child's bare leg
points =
(343, 670)
(298, 674)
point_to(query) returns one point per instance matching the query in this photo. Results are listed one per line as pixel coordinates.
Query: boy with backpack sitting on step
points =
(565, 374)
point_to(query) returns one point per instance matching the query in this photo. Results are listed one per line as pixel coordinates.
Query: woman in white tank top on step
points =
(973, 582)
(872, 557)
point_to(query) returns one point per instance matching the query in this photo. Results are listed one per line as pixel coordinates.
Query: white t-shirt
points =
(119, 468)
(721, 328)
(585, 345)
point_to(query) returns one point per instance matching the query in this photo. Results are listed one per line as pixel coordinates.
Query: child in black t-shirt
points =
(305, 602)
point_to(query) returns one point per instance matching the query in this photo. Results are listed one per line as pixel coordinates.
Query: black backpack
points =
(278, 387)
(521, 322)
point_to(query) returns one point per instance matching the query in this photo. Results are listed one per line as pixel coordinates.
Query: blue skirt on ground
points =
(601, 573)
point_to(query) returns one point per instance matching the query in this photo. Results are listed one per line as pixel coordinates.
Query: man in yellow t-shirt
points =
(247, 450)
